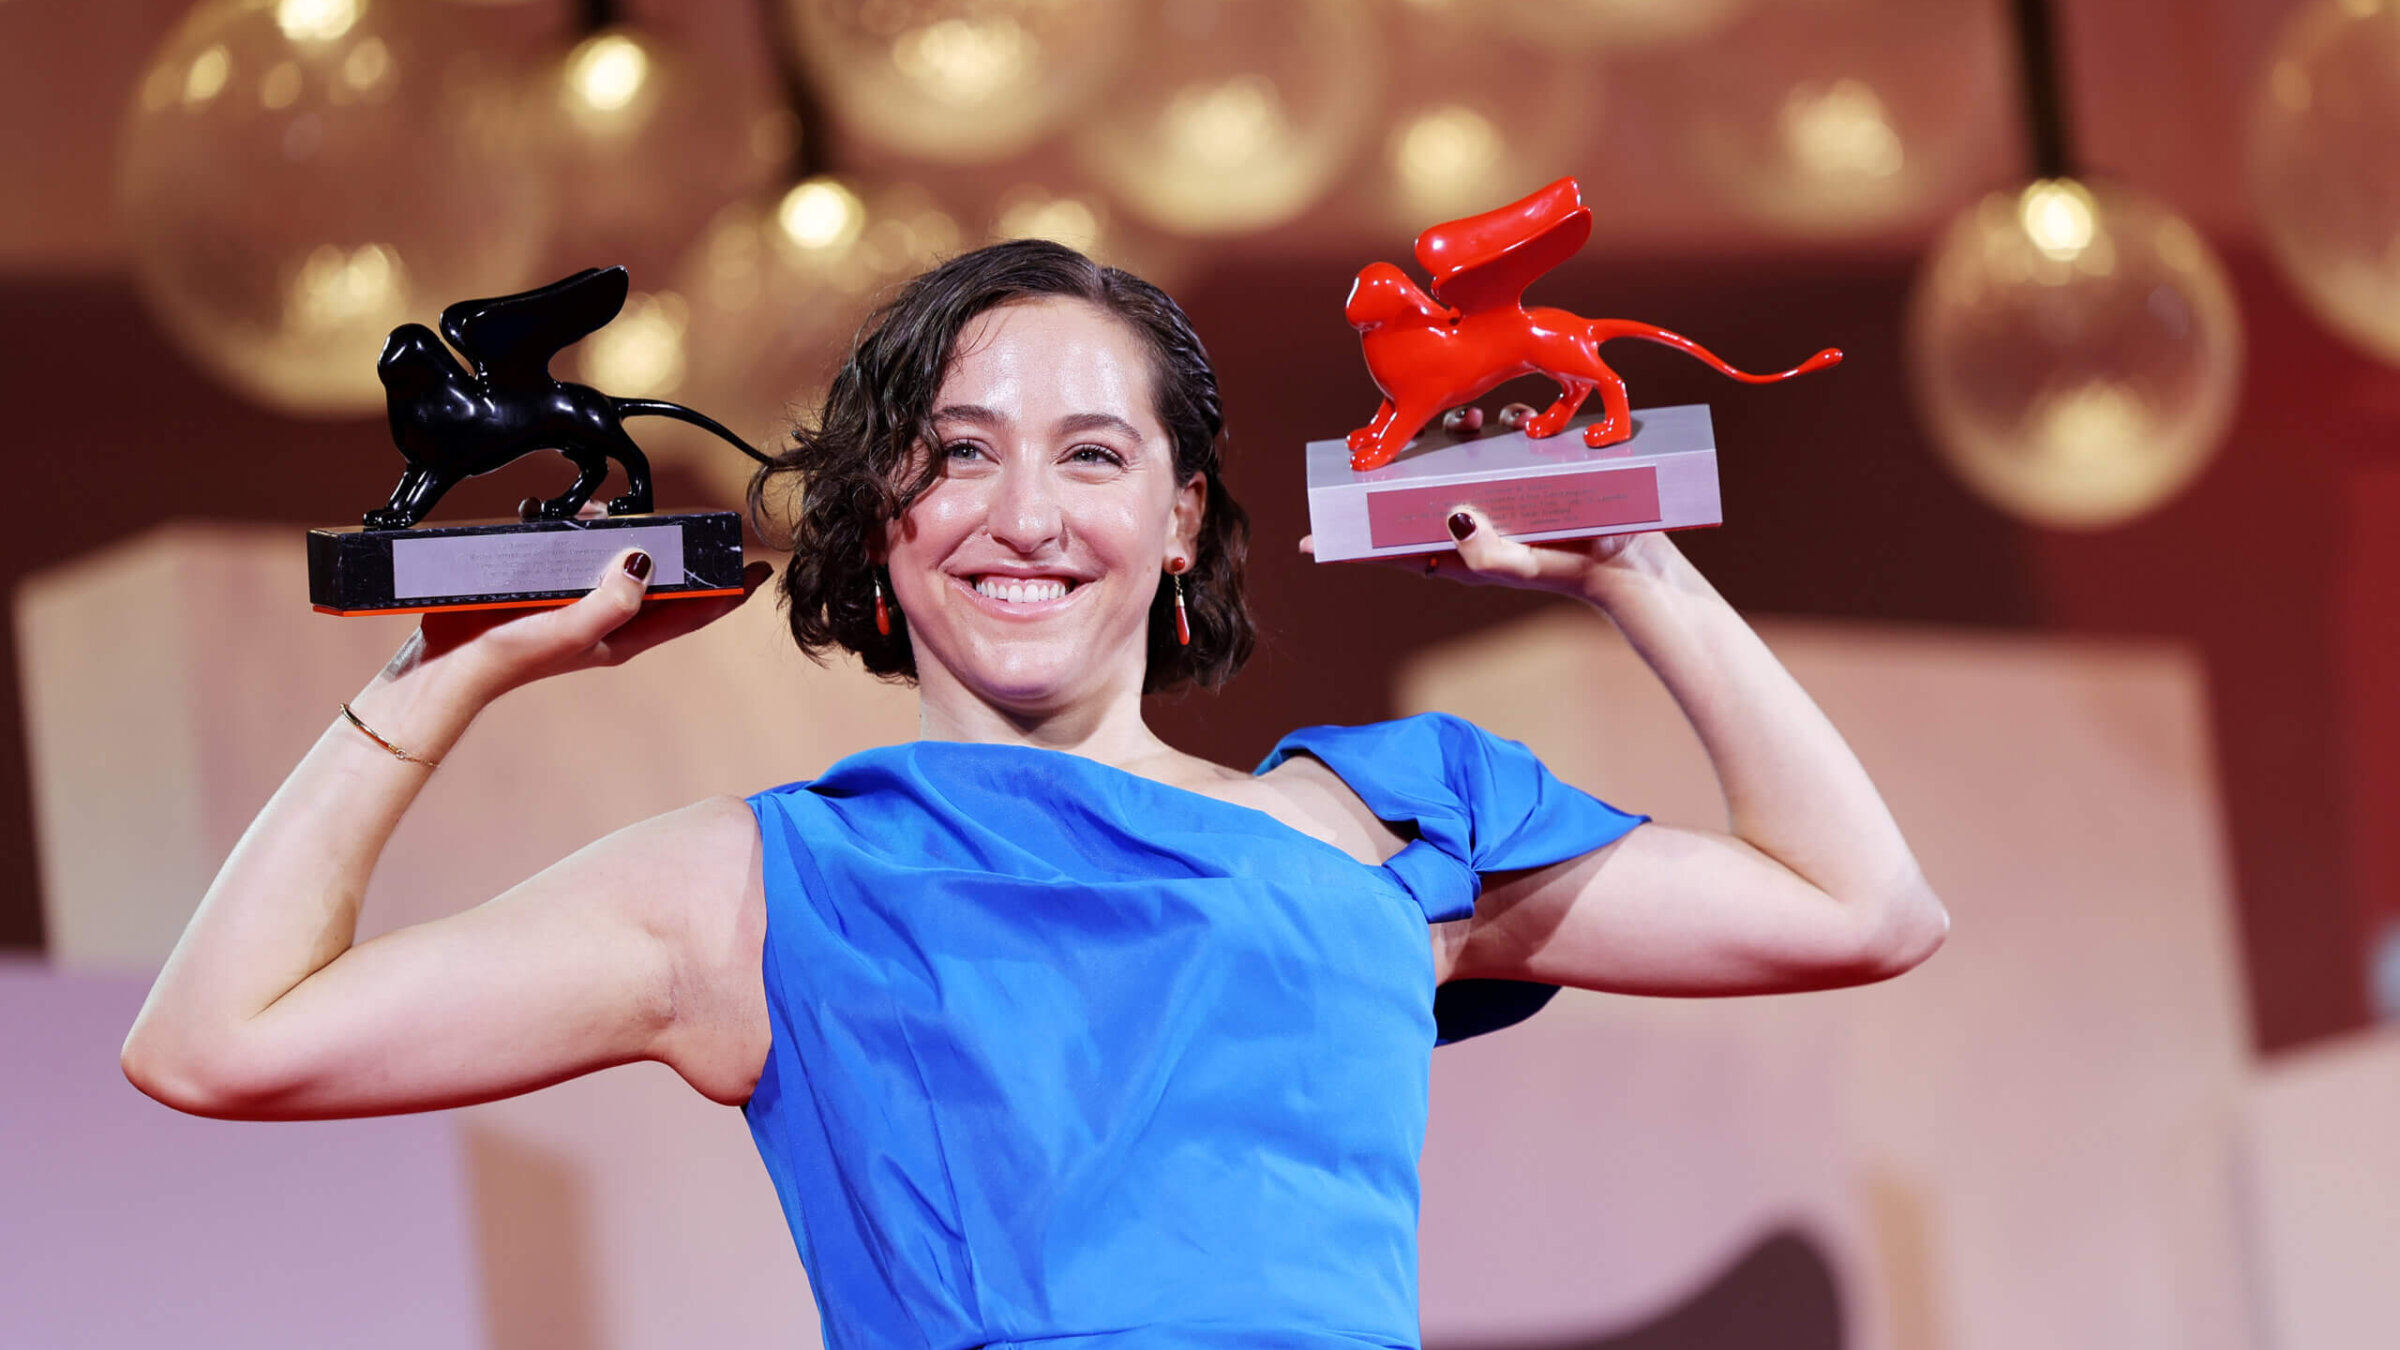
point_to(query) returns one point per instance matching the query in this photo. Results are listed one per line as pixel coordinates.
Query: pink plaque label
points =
(1564, 501)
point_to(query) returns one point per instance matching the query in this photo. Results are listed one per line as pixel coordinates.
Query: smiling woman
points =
(1046, 1031)
(1126, 402)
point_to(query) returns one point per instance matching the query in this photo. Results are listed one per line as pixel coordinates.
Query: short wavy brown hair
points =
(851, 460)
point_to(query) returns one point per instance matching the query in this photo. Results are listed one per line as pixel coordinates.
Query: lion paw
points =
(1607, 431)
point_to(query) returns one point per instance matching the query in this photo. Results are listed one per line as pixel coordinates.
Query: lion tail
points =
(653, 407)
(1605, 329)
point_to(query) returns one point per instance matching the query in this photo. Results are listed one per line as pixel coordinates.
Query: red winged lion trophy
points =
(1431, 353)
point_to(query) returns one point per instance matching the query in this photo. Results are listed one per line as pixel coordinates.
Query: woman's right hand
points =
(486, 653)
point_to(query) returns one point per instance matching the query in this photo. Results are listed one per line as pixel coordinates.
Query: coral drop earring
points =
(1183, 621)
(883, 613)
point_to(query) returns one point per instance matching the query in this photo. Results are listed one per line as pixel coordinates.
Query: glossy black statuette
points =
(452, 424)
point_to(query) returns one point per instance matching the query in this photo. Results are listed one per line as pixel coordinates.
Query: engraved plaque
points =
(512, 564)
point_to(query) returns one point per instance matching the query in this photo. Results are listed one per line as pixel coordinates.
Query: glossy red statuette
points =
(1432, 353)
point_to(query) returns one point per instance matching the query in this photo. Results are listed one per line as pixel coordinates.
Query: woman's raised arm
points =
(630, 949)
(1811, 884)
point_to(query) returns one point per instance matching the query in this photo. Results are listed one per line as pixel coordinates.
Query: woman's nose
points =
(1025, 511)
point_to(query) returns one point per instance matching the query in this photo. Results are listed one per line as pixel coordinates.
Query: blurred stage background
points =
(2092, 545)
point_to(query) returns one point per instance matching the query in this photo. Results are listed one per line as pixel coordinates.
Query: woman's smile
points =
(1015, 596)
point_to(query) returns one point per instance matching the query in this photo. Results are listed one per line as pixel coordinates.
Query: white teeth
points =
(1021, 591)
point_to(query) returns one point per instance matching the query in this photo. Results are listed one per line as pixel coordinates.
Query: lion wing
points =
(511, 338)
(1486, 261)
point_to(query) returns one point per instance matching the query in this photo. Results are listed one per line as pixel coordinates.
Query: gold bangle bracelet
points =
(395, 751)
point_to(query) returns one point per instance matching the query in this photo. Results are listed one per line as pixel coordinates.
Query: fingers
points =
(503, 649)
(614, 599)
(1421, 563)
(664, 622)
(1484, 551)
(1485, 554)
(618, 596)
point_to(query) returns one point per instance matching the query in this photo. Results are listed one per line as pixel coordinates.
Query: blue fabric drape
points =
(1065, 1056)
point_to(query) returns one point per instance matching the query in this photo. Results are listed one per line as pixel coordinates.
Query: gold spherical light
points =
(2076, 350)
(2323, 154)
(774, 291)
(1842, 118)
(298, 177)
(1242, 117)
(1084, 221)
(960, 80)
(640, 353)
(1502, 122)
(645, 141)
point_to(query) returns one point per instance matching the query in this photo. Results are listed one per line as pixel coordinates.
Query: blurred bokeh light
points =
(2324, 165)
(2077, 351)
(640, 354)
(298, 177)
(1085, 222)
(645, 141)
(1503, 120)
(961, 80)
(1604, 25)
(1242, 114)
(773, 292)
(1841, 117)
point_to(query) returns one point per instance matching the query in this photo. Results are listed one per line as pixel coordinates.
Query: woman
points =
(1044, 1028)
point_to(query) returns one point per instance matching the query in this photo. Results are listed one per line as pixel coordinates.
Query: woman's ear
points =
(885, 534)
(1191, 508)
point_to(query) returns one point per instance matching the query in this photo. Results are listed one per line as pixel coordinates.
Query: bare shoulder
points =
(1311, 798)
(708, 909)
(712, 830)
(1306, 783)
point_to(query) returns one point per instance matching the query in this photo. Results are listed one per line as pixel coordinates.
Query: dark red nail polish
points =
(637, 566)
(1461, 524)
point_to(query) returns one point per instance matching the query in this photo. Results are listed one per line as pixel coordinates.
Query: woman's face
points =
(1028, 570)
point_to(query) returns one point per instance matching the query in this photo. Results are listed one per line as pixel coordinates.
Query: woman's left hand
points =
(1486, 557)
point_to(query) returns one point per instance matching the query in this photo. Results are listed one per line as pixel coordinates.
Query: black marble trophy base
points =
(517, 564)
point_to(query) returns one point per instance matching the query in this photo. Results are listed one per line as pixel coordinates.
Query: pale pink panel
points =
(2036, 1126)
(124, 1224)
(2322, 1185)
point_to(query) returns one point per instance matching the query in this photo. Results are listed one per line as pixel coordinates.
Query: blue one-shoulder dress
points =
(1066, 1057)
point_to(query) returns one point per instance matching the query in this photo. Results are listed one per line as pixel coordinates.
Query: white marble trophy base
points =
(1663, 478)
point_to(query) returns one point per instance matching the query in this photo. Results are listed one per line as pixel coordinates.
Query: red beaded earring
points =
(1183, 621)
(883, 615)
